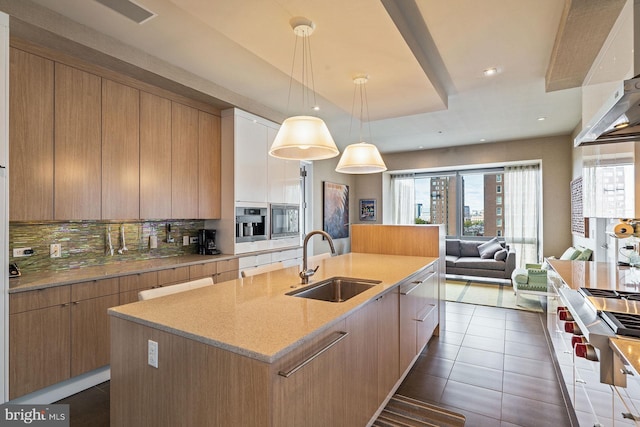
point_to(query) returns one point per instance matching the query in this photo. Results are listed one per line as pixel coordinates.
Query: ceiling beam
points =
(409, 21)
(584, 26)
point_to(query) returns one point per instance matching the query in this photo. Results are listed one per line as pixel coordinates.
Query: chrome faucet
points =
(308, 272)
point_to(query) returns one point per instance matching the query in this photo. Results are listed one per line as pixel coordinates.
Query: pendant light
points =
(362, 157)
(303, 137)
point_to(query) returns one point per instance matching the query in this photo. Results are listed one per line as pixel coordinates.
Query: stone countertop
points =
(629, 350)
(253, 316)
(47, 279)
(601, 275)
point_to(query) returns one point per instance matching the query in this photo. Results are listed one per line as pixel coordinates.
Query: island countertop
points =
(253, 316)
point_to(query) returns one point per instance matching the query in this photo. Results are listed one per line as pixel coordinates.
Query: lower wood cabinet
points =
(58, 333)
(387, 310)
(39, 348)
(362, 365)
(418, 312)
(90, 333)
(308, 384)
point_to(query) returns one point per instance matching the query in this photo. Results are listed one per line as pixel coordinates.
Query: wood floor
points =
(490, 364)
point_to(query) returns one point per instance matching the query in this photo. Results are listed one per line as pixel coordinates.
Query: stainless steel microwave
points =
(285, 221)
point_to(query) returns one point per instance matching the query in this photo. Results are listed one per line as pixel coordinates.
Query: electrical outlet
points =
(55, 250)
(185, 240)
(152, 357)
(20, 252)
(193, 240)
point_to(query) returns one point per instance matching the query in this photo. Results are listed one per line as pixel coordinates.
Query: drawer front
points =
(94, 289)
(133, 282)
(228, 265)
(40, 298)
(173, 275)
(202, 270)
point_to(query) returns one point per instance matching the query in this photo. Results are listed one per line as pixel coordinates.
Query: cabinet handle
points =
(2, 167)
(66, 304)
(76, 302)
(287, 374)
(417, 284)
(425, 317)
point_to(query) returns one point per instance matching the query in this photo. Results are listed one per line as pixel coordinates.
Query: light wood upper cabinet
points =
(184, 165)
(77, 151)
(120, 151)
(209, 179)
(155, 156)
(31, 137)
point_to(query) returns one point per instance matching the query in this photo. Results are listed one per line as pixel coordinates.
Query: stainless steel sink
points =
(335, 289)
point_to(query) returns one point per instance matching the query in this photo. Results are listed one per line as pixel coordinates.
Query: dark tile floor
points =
(490, 364)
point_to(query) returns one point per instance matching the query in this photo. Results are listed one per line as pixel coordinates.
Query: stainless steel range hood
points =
(618, 120)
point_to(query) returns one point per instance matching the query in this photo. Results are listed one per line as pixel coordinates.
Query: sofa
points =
(491, 259)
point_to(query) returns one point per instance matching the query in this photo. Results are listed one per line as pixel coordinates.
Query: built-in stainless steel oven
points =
(285, 221)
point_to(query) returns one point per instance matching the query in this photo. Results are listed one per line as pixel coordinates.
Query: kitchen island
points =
(243, 352)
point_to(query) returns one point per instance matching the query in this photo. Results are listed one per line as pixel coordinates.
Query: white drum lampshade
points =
(304, 138)
(361, 158)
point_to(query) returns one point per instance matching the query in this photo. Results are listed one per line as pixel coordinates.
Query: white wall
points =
(324, 170)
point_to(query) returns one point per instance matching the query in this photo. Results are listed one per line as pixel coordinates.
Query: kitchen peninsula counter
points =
(253, 317)
(601, 275)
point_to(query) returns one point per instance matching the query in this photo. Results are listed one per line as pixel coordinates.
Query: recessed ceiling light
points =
(420, 146)
(482, 140)
(490, 72)
(541, 119)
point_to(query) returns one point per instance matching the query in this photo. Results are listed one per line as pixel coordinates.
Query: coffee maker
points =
(207, 242)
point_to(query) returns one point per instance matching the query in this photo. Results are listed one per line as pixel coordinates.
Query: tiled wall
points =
(84, 243)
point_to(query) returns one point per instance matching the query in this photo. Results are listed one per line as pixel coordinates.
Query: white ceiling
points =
(247, 47)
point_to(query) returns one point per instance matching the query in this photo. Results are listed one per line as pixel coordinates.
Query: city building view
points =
(480, 203)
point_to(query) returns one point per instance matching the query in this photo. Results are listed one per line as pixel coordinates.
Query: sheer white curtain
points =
(403, 199)
(522, 212)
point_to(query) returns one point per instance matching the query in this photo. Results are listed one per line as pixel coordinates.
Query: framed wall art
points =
(368, 210)
(335, 217)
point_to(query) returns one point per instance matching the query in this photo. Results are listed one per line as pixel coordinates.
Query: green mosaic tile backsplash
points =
(84, 243)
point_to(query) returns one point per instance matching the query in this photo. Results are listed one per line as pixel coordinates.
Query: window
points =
(475, 203)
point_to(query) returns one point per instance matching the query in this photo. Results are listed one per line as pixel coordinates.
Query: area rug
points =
(490, 294)
(402, 411)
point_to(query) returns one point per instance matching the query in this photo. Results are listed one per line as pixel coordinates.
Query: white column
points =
(4, 204)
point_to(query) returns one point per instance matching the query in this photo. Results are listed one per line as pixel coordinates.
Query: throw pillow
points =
(501, 255)
(570, 254)
(469, 248)
(488, 250)
(585, 255)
